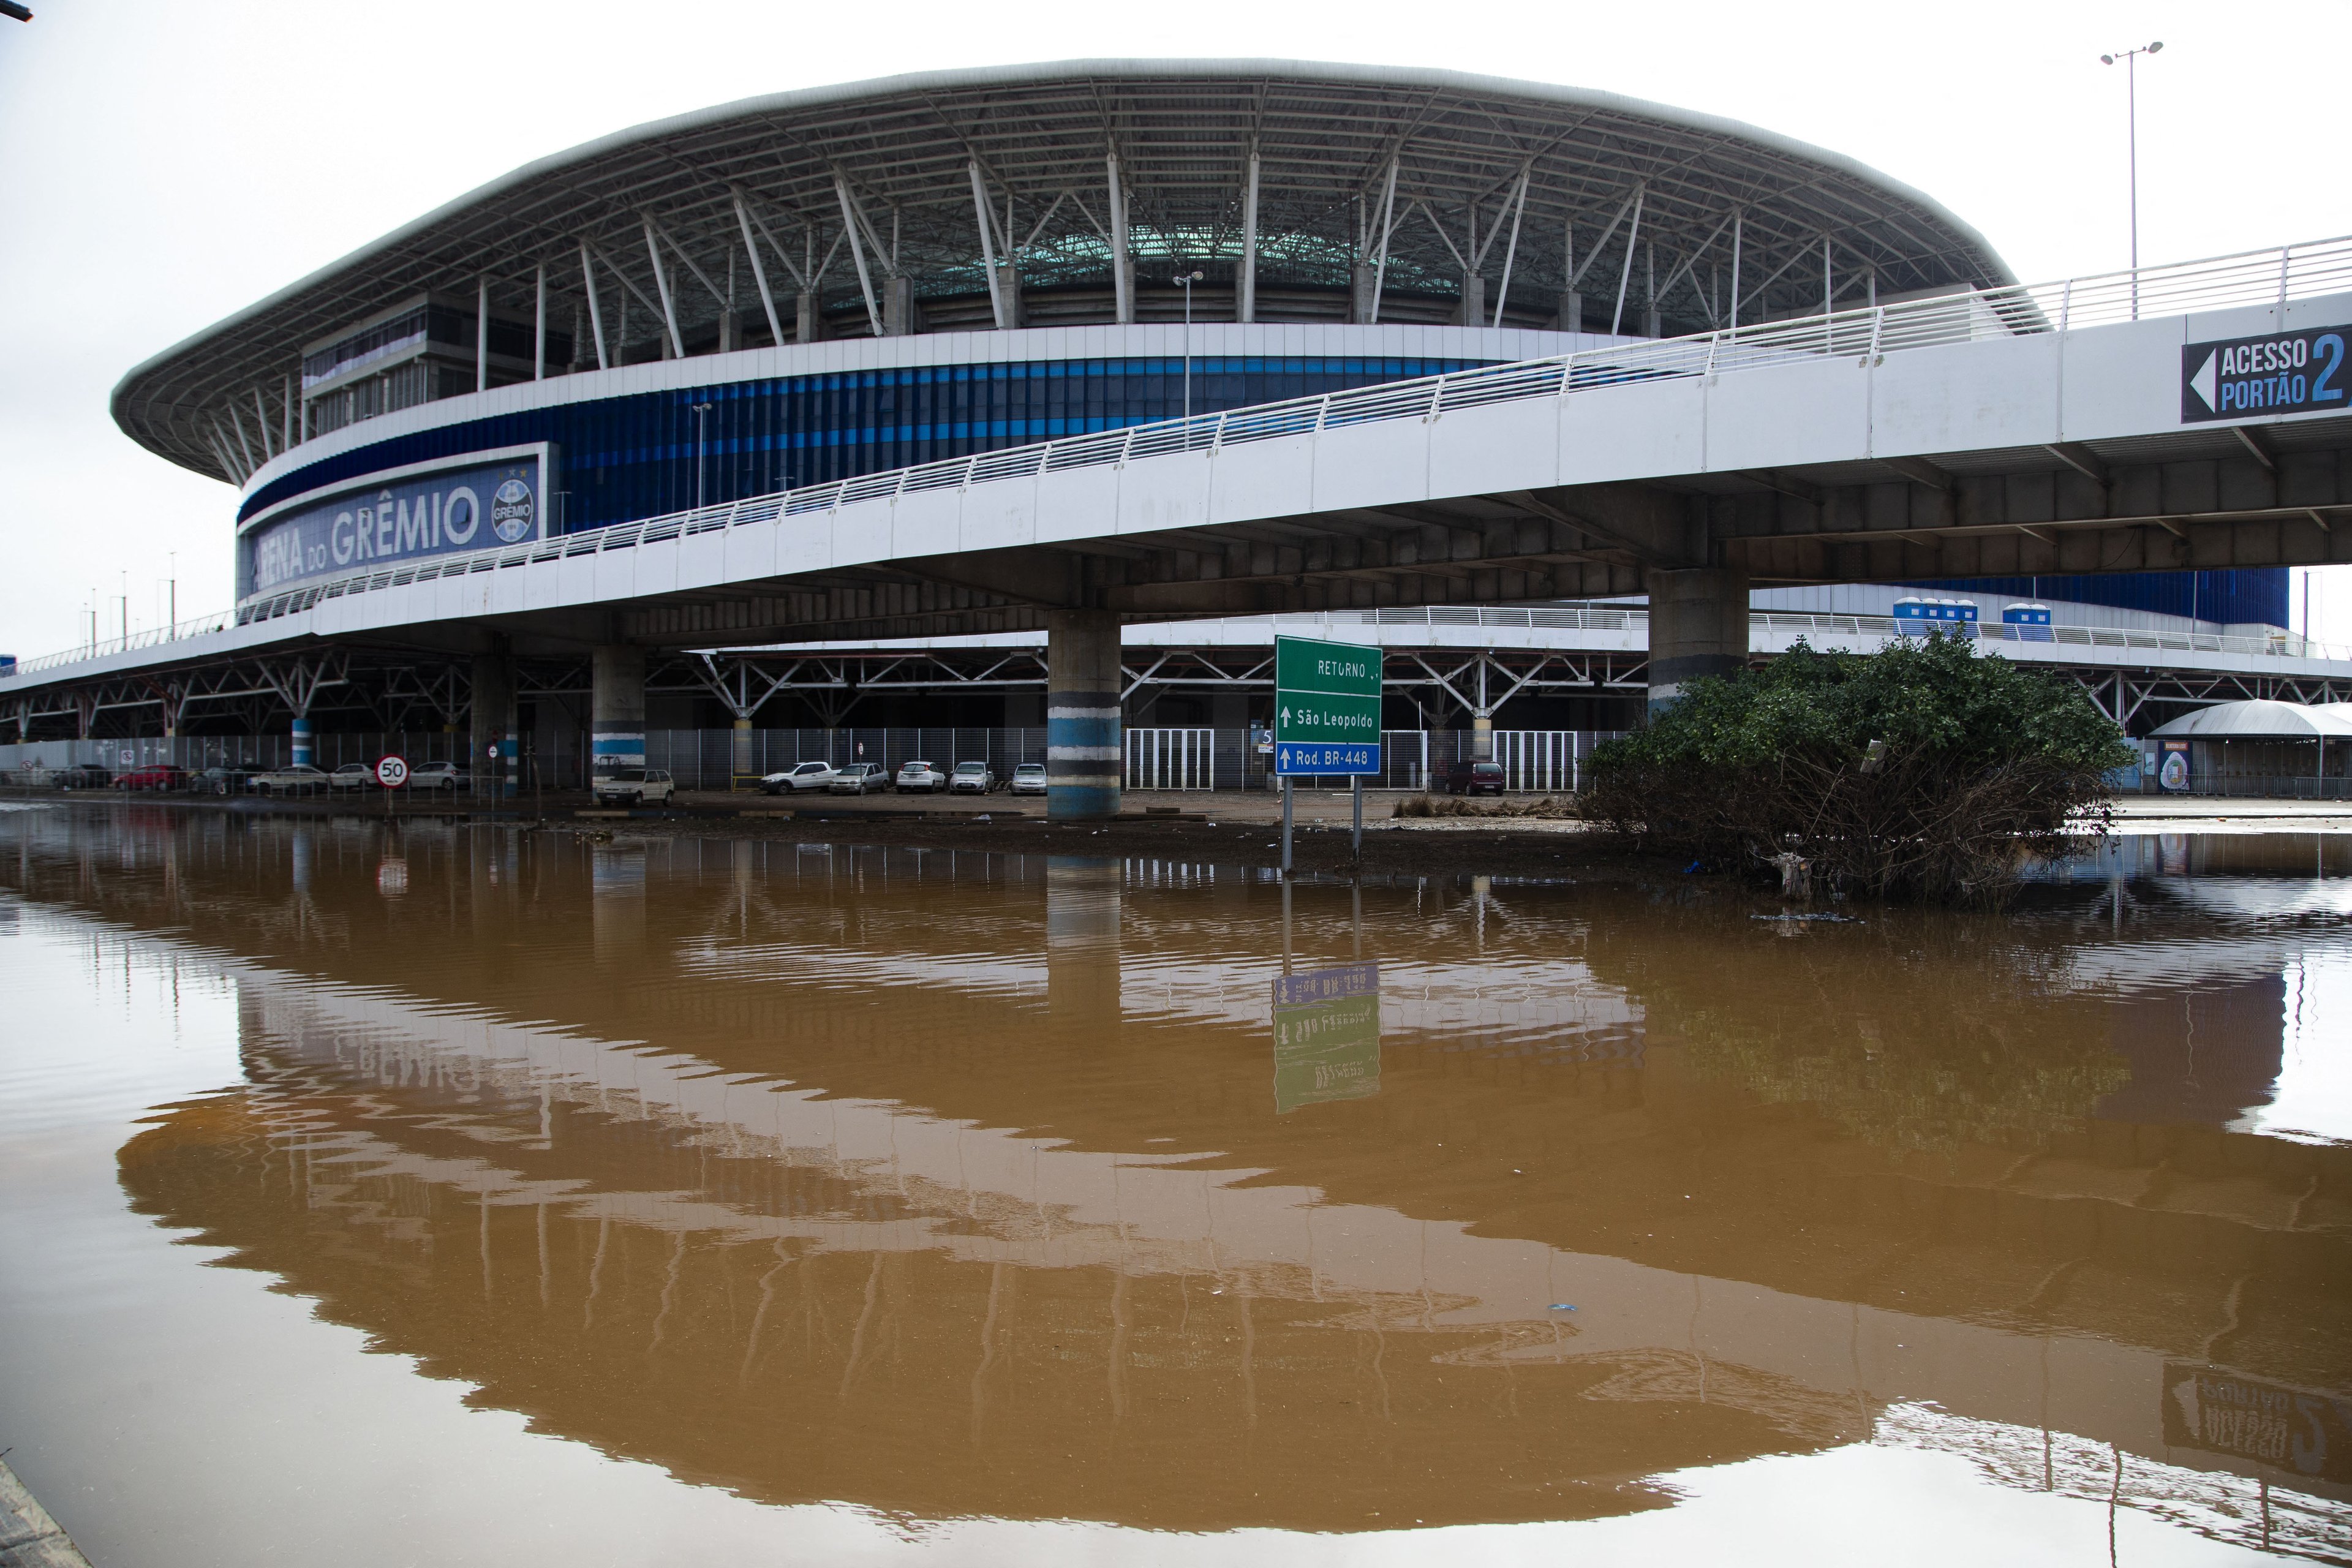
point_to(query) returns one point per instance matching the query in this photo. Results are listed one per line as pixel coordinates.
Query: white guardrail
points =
(2252, 278)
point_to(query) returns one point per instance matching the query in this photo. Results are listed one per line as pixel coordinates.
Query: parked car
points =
(972, 778)
(1029, 778)
(352, 775)
(439, 775)
(85, 775)
(634, 786)
(219, 780)
(858, 778)
(793, 780)
(299, 778)
(162, 775)
(920, 776)
(1474, 778)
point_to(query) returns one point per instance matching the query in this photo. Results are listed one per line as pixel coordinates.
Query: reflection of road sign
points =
(2273, 1423)
(392, 878)
(1326, 1036)
(1327, 707)
(391, 772)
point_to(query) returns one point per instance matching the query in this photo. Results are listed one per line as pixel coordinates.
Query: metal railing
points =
(1866, 334)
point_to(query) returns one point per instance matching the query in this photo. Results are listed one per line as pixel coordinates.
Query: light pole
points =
(2131, 132)
(701, 418)
(1188, 279)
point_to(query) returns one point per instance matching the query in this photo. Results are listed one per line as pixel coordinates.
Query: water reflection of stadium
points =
(742, 1159)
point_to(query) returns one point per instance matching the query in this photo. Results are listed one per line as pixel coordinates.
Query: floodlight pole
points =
(2131, 137)
(1188, 279)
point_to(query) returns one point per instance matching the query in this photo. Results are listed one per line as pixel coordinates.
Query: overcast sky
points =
(168, 161)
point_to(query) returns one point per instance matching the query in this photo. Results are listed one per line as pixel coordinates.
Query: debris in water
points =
(1813, 915)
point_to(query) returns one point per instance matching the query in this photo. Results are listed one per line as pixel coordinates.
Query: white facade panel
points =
(928, 522)
(1813, 411)
(2122, 380)
(1001, 515)
(1263, 478)
(1502, 446)
(1966, 396)
(1633, 432)
(1372, 465)
(1157, 493)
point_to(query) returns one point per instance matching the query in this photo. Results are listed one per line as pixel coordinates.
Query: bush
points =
(1921, 771)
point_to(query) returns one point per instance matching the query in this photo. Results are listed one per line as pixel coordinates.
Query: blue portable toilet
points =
(2031, 621)
(1915, 616)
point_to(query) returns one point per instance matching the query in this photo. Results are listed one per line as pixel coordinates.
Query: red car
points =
(161, 776)
(1474, 778)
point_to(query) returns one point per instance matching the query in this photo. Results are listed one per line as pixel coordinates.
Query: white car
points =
(1029, 778)
(792, 781)
(921, 776)
(300, 778)
(439, 775)
(972, 778)
(634, 786)
(352, 775)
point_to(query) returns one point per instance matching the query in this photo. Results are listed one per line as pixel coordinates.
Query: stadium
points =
(816, 287)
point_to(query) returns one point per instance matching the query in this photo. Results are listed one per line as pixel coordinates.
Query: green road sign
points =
(1327, 707)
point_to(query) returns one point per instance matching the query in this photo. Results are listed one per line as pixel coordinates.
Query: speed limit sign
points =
(391, 772)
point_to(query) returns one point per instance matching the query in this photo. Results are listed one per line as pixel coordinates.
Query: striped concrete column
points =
(616, 707)
(1698, 627)
(1083, 747)
(493, 721)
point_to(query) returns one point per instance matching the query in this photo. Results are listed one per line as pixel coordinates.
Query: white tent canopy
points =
(2262, 720)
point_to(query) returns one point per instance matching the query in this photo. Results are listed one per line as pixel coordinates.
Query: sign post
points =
(391, 772)
(1326, 718)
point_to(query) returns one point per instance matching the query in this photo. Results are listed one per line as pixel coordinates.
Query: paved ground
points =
(29, 1537)
(2212, 814)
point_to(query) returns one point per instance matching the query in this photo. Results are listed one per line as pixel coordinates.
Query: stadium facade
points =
(722, 320)
(823, 284)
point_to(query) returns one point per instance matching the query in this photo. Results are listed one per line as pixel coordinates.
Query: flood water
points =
(435, 1194)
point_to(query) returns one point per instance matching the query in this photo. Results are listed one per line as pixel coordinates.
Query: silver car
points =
(972, 778)
(634, 786)
(793, 780)
(858, 778)
(1029, 778)
(439, 775)
(299, 778)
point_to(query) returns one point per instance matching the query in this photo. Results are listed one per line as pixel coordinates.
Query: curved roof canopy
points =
(2260, 719)
(1473, 175)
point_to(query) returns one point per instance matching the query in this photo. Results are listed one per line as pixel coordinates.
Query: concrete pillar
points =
(1571, 312)
(1698, 627)
(902, 316)
(739, 763)
(1008, 284)
(808, 318)
(1473, 312)
(617, 709)
(493, 723)
(303, 750)
(1084, 752)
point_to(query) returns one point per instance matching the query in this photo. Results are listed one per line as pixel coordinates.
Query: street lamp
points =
(1188, 279)
(2131, 123)
(701, 418)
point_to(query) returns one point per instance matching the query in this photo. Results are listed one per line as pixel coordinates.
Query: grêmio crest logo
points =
(511, 507)
(2282, 373)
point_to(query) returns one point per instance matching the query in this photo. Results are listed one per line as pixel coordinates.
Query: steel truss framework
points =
(338, 689)
(1067, 194)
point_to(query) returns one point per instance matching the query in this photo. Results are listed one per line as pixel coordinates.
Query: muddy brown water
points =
(428, 1193)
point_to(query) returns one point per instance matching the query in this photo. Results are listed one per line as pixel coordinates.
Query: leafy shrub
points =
(1921, 771)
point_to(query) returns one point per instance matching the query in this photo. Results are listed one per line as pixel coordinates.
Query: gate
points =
(1171, 759)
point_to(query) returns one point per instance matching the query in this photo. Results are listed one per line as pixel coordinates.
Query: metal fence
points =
(1864, 334)
(1171, 759)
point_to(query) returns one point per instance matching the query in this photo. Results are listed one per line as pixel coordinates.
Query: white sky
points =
(169, 163)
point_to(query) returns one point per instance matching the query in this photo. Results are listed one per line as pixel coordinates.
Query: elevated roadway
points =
(2051, 430)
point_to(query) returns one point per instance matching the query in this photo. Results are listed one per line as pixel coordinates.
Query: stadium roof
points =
(1473, 175)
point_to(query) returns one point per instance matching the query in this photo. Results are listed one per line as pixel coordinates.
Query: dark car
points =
(221, 780)
(86, 775)
(1475, 778)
